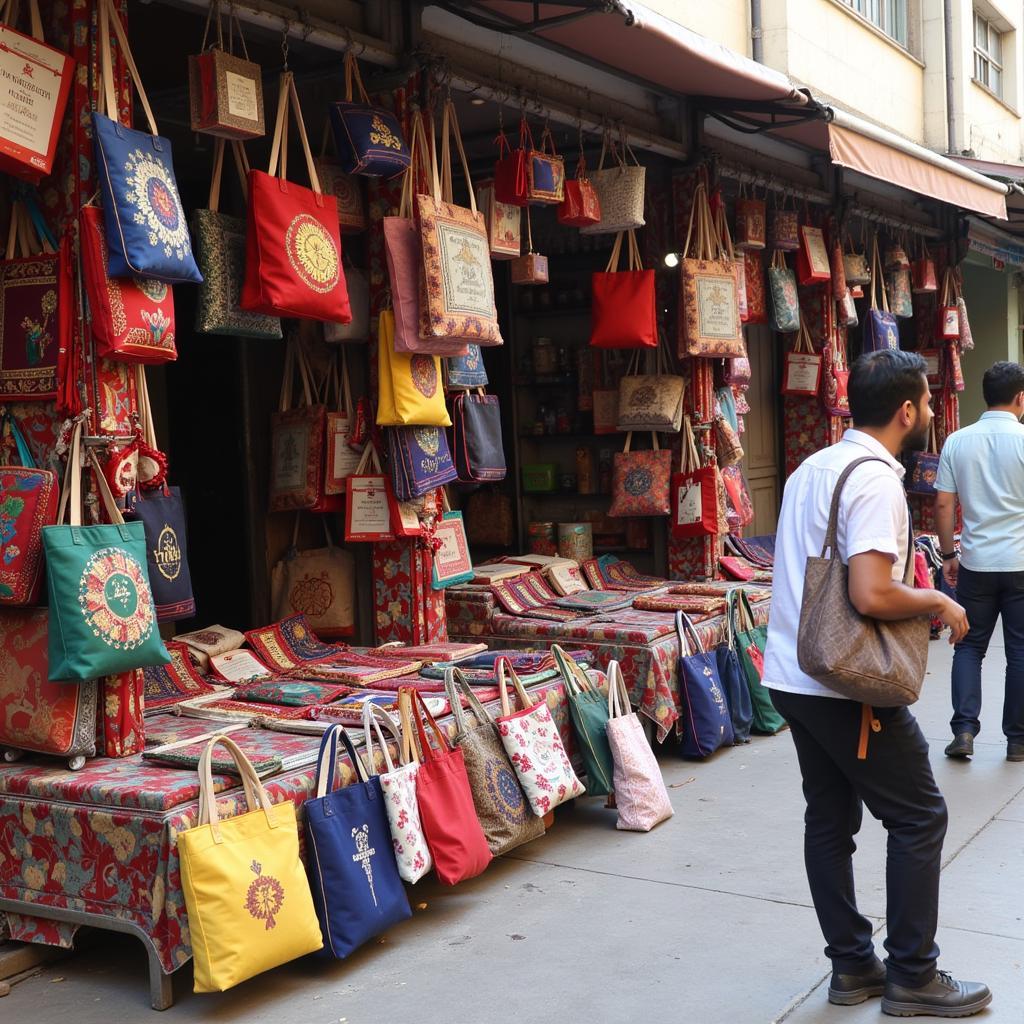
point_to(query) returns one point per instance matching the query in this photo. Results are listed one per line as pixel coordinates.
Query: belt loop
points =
(868, 725)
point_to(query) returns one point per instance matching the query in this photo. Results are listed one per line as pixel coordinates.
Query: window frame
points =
(890, 17)
(987, 60)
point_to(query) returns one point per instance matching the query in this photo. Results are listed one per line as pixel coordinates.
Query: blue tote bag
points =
(734, 683)
(144, 223)
(356, 888)
(707, 724)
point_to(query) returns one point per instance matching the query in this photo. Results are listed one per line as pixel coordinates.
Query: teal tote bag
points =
(750, 643)
(102, 616)
(588, 709)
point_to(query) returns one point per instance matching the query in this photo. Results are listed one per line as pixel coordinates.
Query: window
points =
(988, 54)
(889, 15)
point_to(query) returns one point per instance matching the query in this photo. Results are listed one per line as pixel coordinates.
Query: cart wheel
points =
(76, 762)
(10, 756)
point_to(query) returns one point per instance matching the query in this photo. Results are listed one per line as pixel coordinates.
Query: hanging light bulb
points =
(671, 259)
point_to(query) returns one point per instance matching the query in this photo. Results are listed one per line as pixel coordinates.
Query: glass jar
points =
(545, 357)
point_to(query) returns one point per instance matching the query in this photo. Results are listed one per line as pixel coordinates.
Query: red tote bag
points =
(293, 243)
(695, 493)
(452, 830)
(623, 313)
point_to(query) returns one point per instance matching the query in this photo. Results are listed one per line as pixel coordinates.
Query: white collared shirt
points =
(873, 516)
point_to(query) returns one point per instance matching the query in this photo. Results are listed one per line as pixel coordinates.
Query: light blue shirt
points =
(983, 465)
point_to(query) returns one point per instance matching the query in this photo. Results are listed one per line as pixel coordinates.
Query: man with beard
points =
(889, 399)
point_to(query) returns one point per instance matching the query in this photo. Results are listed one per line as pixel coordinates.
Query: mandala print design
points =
(645, 395)
(153, 195)
(428, 439)
(424, 375)
(312, 253)
(209, 637)
(312, 595)
(504, 791)
(638, 482)
(113, 593)
(264, 897)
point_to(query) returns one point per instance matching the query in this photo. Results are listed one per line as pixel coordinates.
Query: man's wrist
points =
(948, 556)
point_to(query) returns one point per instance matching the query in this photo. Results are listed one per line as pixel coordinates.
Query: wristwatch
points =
(947, 555)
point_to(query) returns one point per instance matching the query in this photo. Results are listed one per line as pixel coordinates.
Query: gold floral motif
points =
(312, 253)
(382, 135)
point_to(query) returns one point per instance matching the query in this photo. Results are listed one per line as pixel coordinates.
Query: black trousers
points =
(895, 782)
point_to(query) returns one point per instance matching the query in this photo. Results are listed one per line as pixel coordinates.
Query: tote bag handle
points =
(456, 684)
(689, 638)
(449, 131)
(618, 696)
(417, 710)
(504, 666)
(241, 165)
(418, 163)
(576, 680)
(374, 716)
(287, 96)
(108, 99)
(255, 795)
(354, 78)
(327, 759)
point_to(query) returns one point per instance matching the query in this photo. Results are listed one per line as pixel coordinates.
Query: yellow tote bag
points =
(247, 896)
(409, 390)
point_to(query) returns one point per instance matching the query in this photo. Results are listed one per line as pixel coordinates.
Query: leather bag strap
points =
(255, 795)
(833, 513)
(108, 17)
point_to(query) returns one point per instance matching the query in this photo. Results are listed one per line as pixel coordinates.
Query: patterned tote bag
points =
(640, 480)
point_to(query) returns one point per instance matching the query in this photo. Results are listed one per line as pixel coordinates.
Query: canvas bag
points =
(784, 226)
(588, 711)
(501, 805)
(457, 290)
(456, 840)
(923, 467)
(146, 230)
(293, 246)
(880, 328)
(532, 742)
(479, 454)
(398, 785)
(640, 794)
(801, 369)
(353, 877)
(503, 220)
(623, 312)
(220, 253)
(620, 189)
(28, 502)
(707, 724)
(318, 583)
(409, 385)
(640, 480)
(347, 189)
(695, 494)
(651, 401)
(785, 299)
(709, 319)
(102, 618)
(750, 645)
(248, 900)
(341, 454)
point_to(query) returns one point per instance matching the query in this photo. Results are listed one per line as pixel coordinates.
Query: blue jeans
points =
(986, 596)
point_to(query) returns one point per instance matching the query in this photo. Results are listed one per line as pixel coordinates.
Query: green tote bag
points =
(102, 617)
(749, 641)
(588, 709)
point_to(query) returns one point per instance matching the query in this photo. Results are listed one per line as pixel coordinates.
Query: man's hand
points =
(950, 571)
(954, 616)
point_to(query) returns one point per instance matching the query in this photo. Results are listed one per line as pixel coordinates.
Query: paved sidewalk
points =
(705, 920)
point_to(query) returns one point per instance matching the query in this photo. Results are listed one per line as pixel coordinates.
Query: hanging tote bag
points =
(102, 618)
(620, 189)
(398, 785)
(500, 803)
(511, 181)
(623, 312)
(880, 328)
(341, 454)
(751, 217)
(357, 891)
(456, 840)
(734, 683)
(580, 207)
(420, 460)
(247, 896)
(28, 503)
(706, 721)
(784, 227)
(695, 494)
(479, 454)
(347, 189)
(801, 369)
(640, 480)
(855, 266)
(966, 339)
(709, 320)
(466, 371)
(457, 297)
(754, 286)
(640, 794)
(812, 263)
(534, 747)
(949, 313)
(545, 173)
(368, 139)
(503, 220)
(834, 396)
(588, 710)
(293, 247)
(531, 267)
(146, 231)
(367, 510)
(785, 300)
(923, 467)
(923, 276)
(409, 386)
(651, 401)
(750, 645)
(220, 252)
(901, 301)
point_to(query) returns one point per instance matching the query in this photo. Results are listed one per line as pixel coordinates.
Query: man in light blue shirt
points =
(982, 466)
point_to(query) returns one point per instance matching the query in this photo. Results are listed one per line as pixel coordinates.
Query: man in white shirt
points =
(983, 466)
(889, 399)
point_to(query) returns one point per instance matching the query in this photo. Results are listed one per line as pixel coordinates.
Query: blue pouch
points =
(466, 371)
(707, 724)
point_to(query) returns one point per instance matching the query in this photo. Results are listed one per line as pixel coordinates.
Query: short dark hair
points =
(1002, 383)
(880, 382)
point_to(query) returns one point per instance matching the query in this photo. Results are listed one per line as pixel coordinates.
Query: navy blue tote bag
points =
(163, 518)
(706, 721)
(737, 694)
(356, 888)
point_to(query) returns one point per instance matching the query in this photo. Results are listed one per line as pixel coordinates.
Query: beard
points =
(917, 439)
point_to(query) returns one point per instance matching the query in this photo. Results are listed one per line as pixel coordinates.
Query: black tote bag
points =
(479, 455)
(162, 515)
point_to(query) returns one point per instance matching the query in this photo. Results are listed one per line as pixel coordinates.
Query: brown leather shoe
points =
(943, 996)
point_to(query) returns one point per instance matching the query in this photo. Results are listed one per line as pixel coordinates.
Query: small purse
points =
(531, 267)
(545, 172)
(581, 207)
(750, 221)
(640, 480)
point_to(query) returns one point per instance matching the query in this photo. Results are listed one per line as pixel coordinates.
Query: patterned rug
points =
(168, 685)
(530, 596)
(291, 644)
(290, 693)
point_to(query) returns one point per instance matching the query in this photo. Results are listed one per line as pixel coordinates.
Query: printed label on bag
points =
(717, 306)
(370, 511)
(167, 553)
(290, 457)
(802, 372)
(242, 97)
(467, 281)
(689, 508)
(29, 89)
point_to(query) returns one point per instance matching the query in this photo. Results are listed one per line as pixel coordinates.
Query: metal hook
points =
(284, 41)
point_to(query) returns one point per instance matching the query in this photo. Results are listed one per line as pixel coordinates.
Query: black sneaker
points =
(962, 745)
(943, 996)
(1014, 750)
(850, 989)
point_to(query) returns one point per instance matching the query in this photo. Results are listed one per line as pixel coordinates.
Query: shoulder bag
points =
(479, 454)
(511, 181)
(706, 721)
(623, 310)
(949, 313)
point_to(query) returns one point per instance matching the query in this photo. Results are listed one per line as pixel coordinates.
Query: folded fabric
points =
(349, 710)
(291, 644)
(593, 601)
(448, 652)
(360, 669)
(295, 694)
(170, 684)
(696, 606)
(239, 710)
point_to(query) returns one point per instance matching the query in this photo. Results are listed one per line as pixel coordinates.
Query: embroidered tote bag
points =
(706, 721)
(785, 301)
(545, 173)
(28, 502)
(457, 297)
(900, 297)
(966, 340)
(456, 840)
(750, 645)
(36, 306)
(420, 460)
(452, 563)
(466, 371)
(801, 369)
(501, 805)
(503, 221)
(784, 226)
(588, 710)
(640, 480)
(923, 467)
(534, 747)
(836, 376)
(102, 618)
(751, 218)
(640, 793)
(880, 328)
(754, 284)
(620, 189)
(146, 231)
(581, 207)
(855, 266)
(293, 246)
(368, 138)
(949, 313)
(398, 785)
(247, 896)
(409, 385)
(220, 252)
(709, 318)
(623, 313)
(651, 401)
(479, 454)
(695, 495)
(922, 271)
(353, 877)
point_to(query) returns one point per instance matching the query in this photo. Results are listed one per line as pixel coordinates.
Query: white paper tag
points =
(242, 97)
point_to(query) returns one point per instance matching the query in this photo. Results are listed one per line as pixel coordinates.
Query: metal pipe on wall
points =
(947, 33)
(756, 32)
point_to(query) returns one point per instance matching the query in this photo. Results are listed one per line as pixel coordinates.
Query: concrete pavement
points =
(707, 919)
